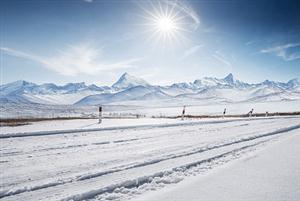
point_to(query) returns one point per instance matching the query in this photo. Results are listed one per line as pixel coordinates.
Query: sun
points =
(166, 24)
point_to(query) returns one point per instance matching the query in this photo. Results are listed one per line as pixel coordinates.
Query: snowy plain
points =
(129, 162)
(83, 124)
(205, 107)
(255, 177)
(147, 108)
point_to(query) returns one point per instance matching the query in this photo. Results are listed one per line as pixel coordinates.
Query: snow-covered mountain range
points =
(132, 89)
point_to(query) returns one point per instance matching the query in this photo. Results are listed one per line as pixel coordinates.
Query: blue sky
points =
(95, 41)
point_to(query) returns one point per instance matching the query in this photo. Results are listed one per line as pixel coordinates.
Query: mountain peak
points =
(293, 83)
(125, 74)
(229, 78)
(268, 82)
(295, 80)
(75, 83)
(20, 82)
(127, 81)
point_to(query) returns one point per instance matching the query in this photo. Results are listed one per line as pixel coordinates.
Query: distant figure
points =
(250, 113)
(267, 113)
(183, 113)
(100, 115)
(224, 112)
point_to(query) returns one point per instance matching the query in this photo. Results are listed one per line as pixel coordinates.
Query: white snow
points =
(125, 162)
(130, 88)
(127, 81)
(80, 124)
(270, 175)
(58, 99)
(203, 107)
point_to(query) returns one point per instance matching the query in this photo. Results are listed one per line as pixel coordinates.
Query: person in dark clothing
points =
(183, 113)
(224, 112)
(267, 113)
(100, 115)
(250, 113)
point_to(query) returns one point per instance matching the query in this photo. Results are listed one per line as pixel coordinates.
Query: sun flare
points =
(166, 24)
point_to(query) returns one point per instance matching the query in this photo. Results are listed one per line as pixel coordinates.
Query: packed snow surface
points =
(126, 162)
(259, 176)
(82, 124)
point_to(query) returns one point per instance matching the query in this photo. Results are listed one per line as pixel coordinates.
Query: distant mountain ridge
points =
(130, 88)
(128, 81)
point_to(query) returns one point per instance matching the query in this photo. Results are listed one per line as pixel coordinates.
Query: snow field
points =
(103, 164)
(270, 174)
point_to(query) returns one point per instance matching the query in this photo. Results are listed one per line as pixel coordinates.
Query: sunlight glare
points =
(166, 24)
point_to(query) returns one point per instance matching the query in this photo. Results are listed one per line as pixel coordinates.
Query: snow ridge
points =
(147, 126)
(130, 88)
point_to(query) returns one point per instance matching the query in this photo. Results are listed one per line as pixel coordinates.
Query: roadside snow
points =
(162, 108)
(122, 163)
(57, 127)
(269, 175)
(205, 107)
(52, 125)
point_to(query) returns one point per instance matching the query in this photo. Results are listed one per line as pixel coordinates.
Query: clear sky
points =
(95, 41)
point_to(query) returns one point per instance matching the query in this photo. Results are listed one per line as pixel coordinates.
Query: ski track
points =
(149, 126)
(152, 152)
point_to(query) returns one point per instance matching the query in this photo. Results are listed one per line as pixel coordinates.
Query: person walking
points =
(267, 113)
(224, 112)
(100, 115)
(250, 113)
(183, 113)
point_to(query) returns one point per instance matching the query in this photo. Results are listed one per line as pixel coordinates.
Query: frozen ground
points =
(123, 162)
(270, 175)
(147, 108)
(82, 124)
(204, 107)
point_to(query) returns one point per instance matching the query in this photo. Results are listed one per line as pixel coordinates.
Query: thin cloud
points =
(221, 58)
(178, 7)
(74, 60)
(88, 1)
(251, 42)
(191, 51)
(283, 52)
(188, 11)
(208, 30)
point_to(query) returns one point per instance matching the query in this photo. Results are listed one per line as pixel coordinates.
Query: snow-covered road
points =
(272, 174)
(121, 163)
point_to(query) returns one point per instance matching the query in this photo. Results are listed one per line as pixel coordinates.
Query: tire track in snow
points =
(149, 126)
(136, 182)
(279, 131)
(11, 192)
(15, 153)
